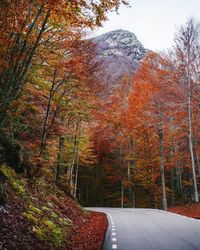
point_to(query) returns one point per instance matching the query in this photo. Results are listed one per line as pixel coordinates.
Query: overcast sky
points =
(153, 21)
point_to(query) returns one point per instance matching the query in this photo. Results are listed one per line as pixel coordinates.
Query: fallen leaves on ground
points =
(90, 233)
(191, 210)
(16, 232)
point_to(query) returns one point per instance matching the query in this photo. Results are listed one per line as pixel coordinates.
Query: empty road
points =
(149, 229)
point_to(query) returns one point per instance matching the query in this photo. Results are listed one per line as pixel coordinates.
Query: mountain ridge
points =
(120, 42)
(119, 53)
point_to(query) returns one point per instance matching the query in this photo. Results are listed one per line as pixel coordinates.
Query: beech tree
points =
(187, 49)
(36, 37)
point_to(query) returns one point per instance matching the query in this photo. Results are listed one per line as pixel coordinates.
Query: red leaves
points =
(190, 210)
(89, 233)
(16, 232)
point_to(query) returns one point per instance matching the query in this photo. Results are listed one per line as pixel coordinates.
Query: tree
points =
(37, 38)
(187, 47)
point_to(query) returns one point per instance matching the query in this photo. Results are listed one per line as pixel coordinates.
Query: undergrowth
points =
(47, 223)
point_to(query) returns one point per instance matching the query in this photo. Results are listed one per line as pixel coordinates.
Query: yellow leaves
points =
(30, 217)
(16, 183)
(34, 209)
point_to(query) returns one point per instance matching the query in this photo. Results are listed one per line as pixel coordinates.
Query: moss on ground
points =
(47, 223)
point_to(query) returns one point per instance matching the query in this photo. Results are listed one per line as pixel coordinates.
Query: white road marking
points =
(114, 239)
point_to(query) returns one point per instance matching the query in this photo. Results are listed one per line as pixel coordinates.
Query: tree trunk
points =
(46, 119)
(162, 170)
(76, 176)
(198, 162)
(172, 187)
(179, 185)
(133, 196)
(122, 177)
(58, 166)
(196, 194)
(74, 157)
(77, 163)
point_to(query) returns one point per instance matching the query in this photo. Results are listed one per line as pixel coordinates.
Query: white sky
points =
(153, 21)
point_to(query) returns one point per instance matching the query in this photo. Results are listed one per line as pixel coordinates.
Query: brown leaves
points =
(16, 232)
(190, 210)
(90, 233)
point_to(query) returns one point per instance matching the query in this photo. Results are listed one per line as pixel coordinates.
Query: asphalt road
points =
(149, 229)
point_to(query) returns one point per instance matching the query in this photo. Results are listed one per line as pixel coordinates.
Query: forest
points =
(138, 146)
(146, 134)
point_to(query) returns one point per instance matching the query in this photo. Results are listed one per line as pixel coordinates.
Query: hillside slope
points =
(38, 216)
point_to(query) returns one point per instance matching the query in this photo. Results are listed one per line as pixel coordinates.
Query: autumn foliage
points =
(147, 133)
(136, 145)
(46, 87)
(47, 96)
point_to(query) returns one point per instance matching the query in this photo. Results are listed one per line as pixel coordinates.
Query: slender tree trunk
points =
(74, 156)
(69, 163)
(131, 173)
(172, 188)
(133, 196)
(30, 57)
(122, 195)
(122, 177)
(172, 153)
(162, 170)
(76, 176)
(198, 162)
(77, 163)
(179, 185)
(14, 77)
(155, 201)
(129, 179)
(45, 126)
(58, 165)
(72, 165)
(196, 194)
(131, 189)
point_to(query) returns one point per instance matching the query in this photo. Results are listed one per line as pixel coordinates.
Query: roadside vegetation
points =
(64, 139)
(190, 210)
(44, 217)
(147, 134)
(47, 94)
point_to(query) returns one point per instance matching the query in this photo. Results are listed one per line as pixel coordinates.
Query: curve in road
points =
(149, 229)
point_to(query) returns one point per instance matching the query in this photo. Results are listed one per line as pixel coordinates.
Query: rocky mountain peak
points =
(119, 53)
(120, 43)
